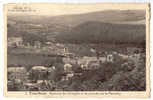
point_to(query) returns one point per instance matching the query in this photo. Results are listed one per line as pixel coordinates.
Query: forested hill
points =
(97, 32)
(109, 26)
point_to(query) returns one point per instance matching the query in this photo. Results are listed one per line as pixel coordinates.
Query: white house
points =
(84, 62)
(110, 58)
(16, 69)
(67, 67)
(17, 41)
(69, 60)
(67, 76)
(39, 68)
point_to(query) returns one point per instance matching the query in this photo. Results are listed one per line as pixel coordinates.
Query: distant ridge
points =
(98, 32)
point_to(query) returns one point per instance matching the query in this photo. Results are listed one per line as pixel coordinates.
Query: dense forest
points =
(98, 32)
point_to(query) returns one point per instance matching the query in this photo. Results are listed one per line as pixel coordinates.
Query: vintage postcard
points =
(77, 50)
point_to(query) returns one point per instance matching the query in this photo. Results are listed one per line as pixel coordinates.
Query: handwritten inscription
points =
(21, 9)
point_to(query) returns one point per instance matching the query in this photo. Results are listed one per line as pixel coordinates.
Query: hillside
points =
(97, 32)
(110, 26)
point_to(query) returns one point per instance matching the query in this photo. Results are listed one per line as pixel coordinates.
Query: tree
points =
(31, 38)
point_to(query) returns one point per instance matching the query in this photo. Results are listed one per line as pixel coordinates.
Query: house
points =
(93, 64)
(90, 65)
(68, 72)
(15, 41)
(67, 76)
(110, 58)
(27, 45)
(16, 69)
(48, 43)
(71, 55)
(93, 50)
(39, 68)
(85, 60)
(68, 68)
(37, 44)
(59, 45)
(90, 62)
(38, 73)
(16, 73)
(69, 60)
(51, 69)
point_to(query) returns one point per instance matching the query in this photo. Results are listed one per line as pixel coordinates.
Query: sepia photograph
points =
(77, 48)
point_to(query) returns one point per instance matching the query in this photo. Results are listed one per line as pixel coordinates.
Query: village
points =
(42, 78)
